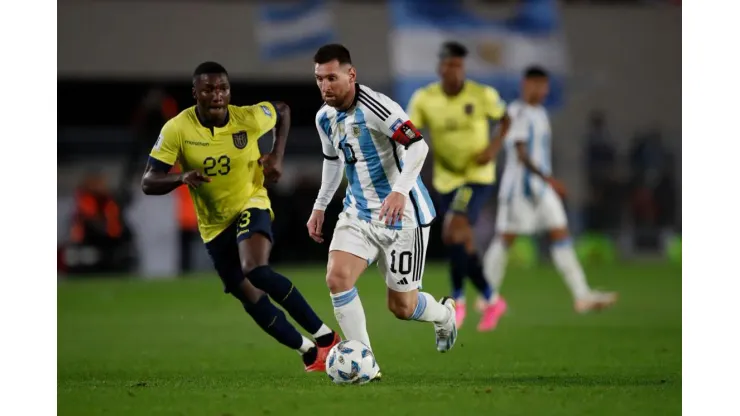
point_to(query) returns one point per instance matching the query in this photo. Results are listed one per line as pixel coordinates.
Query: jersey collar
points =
(204, 124)
(357, 95)
(459, 93)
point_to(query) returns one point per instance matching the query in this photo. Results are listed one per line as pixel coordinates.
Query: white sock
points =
(324, 330)
(429, 310)
(307, 345)
(494, 263)
(351, 316)
(570, 269)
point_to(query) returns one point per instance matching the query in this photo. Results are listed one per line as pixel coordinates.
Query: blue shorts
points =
(224, 249)
(467, 200)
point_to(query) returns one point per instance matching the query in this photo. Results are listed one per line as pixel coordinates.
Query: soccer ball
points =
(351, 362)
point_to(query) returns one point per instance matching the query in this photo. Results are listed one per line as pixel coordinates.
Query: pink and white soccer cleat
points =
(491, 314)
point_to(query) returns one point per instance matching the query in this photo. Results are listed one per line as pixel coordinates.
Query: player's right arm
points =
(331, 177)
(157, 179)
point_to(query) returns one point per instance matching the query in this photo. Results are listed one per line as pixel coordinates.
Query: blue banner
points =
(296, 28)
(499, 49)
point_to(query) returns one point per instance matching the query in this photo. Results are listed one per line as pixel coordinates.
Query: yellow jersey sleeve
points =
(265, 115)
(167, 147)
(495, 107)
(415, 112)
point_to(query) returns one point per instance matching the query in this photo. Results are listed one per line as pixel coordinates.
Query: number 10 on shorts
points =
(404, 260)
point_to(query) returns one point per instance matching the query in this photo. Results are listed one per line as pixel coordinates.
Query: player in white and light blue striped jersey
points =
(363, 135)
(387, 208)
(530, 198)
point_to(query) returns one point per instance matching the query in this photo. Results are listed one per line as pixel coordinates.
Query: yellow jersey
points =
(459, 130)
(228, 155)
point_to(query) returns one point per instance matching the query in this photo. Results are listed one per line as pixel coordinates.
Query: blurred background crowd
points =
(124, 69)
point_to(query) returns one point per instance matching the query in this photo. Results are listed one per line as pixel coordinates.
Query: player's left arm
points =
(495, 109)
(273, 116)
(519, 135)
(523, 156)
(400, 129)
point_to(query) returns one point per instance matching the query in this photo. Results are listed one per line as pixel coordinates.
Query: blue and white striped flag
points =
(499, 49)
(298, 27)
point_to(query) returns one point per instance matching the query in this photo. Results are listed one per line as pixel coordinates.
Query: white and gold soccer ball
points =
(351, 362)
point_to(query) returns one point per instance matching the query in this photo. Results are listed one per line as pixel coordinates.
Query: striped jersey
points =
(362, 137)
(529, 125)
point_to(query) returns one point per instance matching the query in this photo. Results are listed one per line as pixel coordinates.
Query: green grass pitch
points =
(182, 347)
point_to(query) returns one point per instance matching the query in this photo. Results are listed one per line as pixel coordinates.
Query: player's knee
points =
(447, 237)
(456, 230)
(401, 308)
(338, 279)
(560, 234)
(272, 283)
(245, 292)
(249, 266)
(508, 239)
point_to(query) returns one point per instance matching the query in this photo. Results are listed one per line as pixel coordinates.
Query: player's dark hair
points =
(535, 72)
(332, 51)
(452, 49)
(209, 67)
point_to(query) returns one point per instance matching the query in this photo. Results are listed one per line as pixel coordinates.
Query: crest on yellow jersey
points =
(468, 109)
(240, 139)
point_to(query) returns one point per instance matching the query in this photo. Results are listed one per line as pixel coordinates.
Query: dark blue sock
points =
(475, 271)
(272, 320)
(458, 268)
(282, 291)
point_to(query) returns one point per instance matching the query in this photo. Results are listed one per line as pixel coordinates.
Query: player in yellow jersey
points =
(457, 113)
(216, 145)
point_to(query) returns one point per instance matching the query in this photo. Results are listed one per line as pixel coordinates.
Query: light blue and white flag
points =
(499, 50)
(298, 27)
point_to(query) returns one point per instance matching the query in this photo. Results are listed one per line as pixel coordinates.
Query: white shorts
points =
(400, 253)
(528, 216)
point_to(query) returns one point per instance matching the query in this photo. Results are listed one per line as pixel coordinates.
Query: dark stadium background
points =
(116, 336)
(635, 91)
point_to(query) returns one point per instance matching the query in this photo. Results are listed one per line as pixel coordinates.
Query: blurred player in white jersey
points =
(530, 198)
(387, 209)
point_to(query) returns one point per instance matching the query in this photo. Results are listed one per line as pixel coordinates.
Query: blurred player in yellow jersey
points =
(216, 145)
(458, 113)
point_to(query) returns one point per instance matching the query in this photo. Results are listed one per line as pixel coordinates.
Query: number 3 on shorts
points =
(462, 199)
(243, 224)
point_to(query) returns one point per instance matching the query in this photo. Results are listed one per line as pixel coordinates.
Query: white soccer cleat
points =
(595, 301)
(447, 332)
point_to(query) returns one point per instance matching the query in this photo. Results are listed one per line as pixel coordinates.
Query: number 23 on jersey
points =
(217, 166)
